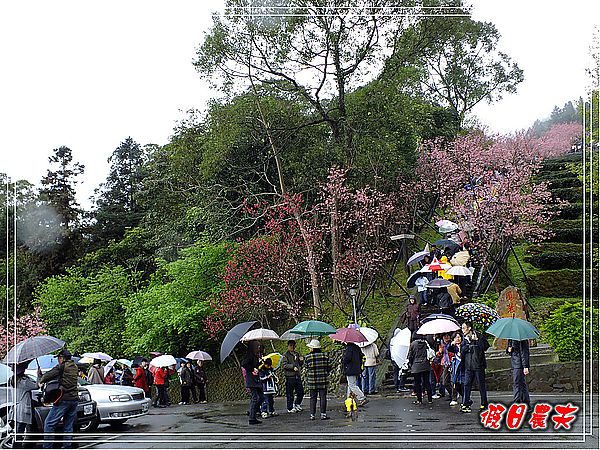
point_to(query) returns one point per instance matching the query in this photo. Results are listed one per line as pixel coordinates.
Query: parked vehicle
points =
(115, 404)
(86, 411)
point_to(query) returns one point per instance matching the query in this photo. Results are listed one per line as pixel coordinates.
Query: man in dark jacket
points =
(519, 361)
(149, 378)
(65, 407)
(351, 362)
(473, 349)
(250, 365)
(292, 364)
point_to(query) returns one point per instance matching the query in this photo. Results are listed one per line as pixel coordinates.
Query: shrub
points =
(564, 331)
(571, 211)
(568, 193)
(553, 247)
(556, 283)
(556, 260)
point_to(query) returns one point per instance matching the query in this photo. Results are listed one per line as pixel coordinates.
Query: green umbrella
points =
(513, 328)
(313, 328)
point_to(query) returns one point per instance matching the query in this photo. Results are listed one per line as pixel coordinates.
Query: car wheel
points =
(91, 425)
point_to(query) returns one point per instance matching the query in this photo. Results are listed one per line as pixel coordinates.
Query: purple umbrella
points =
(348, 335)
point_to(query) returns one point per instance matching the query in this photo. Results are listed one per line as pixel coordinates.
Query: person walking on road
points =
(292, 366)
(317, 366)
(371, 353)
(351, 362)
(65, 408)
(420, 366)
(519, 361)
(250, 364)
(473, 349)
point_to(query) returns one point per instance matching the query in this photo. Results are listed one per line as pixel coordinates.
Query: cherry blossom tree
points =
(24, 327)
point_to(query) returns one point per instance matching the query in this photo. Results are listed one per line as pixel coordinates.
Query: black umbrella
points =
(446, 243)
(439, 283)
(410, 282)
(138, 360)
(32, 348)
(233, 337)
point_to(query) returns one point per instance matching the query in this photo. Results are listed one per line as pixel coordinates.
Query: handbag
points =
(52, 392)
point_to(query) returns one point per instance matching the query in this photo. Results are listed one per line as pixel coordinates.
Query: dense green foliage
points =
(564, 331)
(167, 314)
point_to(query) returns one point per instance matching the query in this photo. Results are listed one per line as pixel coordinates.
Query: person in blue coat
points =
(519, 361)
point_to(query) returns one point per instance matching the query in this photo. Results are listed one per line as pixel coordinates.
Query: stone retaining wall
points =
(556, 377)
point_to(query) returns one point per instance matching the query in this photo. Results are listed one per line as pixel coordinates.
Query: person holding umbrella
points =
(351, 361)
(24, 412)
(318, 367)
(473, 349)
(519, 361)
(66, 409)
(149, 377)
(250, 364)
(200, 381)
(139, 378)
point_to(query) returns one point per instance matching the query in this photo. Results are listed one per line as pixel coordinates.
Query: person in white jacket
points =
(371, 352)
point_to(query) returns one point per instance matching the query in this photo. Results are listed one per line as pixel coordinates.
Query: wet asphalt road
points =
(385, 422)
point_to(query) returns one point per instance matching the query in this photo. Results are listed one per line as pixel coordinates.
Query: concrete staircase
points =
(541, 354)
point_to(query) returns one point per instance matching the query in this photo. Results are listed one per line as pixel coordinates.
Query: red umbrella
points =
(348, 335)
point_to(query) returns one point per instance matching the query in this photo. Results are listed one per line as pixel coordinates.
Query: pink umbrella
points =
(348, 335)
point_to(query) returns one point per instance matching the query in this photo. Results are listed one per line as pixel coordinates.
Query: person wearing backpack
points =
(65, 407)
(420, 355)
(473, 349)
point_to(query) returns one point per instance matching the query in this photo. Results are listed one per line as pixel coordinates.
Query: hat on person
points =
(314, 344)
(65, 353)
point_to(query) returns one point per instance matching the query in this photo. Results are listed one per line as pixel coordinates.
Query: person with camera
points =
(64, 405)
(473, 349)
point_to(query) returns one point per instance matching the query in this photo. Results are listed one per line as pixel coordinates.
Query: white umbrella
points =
(289, 335)
(125, 362)
(438, 326)
(163, 361)
(199, 355)
(109, 365)
(97, 355)
(260, 334)
(446, 226)
(399, 346)
(460, 271)
(370, 334)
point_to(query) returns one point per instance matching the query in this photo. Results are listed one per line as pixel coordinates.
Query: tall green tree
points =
(58, 214)
(117, 202)
(460, 60)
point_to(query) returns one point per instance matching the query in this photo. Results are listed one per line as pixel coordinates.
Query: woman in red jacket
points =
(160, 377)
(139, 379)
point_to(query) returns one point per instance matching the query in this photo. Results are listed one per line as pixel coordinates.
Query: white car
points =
(115, 403)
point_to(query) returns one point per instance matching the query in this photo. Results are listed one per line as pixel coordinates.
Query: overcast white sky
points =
(88, 74)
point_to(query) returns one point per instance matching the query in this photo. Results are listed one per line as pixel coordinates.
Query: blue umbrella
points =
(513, 328)
(233, 337)
(44, 362)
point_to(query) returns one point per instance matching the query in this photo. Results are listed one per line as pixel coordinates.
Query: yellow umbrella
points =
(86, 360)
(275, 359)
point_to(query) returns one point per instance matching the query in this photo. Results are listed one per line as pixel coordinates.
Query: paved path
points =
(385, 422)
